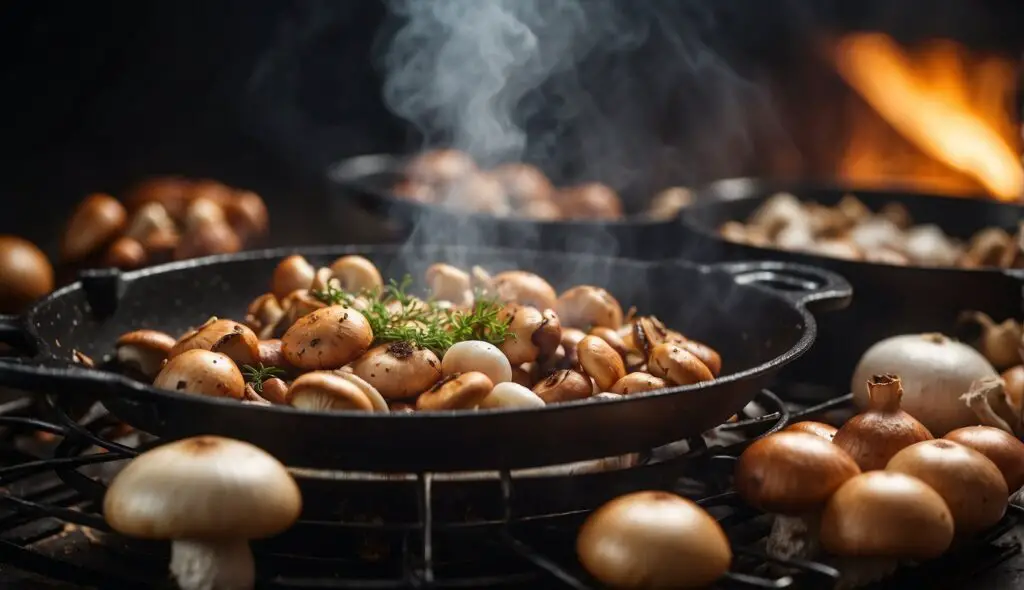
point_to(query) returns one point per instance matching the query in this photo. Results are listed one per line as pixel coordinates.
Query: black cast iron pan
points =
(754, 314)
(367, 182)
(890, 299)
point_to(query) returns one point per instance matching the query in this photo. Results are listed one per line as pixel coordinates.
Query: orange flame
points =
(953, 107)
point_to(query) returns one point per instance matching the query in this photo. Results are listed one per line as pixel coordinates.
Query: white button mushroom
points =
(398, 370)
(325, 391)
(208, 496)
(356, 274)
(477, 355)
(586, 306)
(202, 372)
(511, 395)
(144, 351)
(328, 338)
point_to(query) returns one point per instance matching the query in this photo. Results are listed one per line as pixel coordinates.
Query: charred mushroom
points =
(208, 496)
(144, 351)
(564, 386)
(463, 391)
(678, 365)
(531, 332)
(399, 370)
(228, 337)
(328, 338)
(202, 372)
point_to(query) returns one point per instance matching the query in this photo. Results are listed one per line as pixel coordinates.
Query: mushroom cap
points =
(671, 361)
(585, 306)
(591, 200)
(825, 431)
(324, 390)
(207, 487)
(600, 361)
(291, 274)
(886, 514)
(356, 274)
(524, 288)
(524, 183)
(327, 338)
(971, 485)
(145, 349)
(792, 472)
(653, 540)
(462, 391)
(1001, 447)
(511, 395)
(229, 337)
(25, 274)
(399, 370)
(638, 382)
(477, 355)
(564, 386)
(202, 372)
(97, 220)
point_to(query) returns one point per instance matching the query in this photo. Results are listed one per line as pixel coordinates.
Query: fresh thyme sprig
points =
(396, 315)
(255, 376)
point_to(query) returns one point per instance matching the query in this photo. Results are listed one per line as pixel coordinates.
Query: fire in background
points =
(935, 117)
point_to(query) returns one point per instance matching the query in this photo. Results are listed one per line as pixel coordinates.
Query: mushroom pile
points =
(880, 489)
(339, 338)
(451, 178)
(851, 231)
(162, 219)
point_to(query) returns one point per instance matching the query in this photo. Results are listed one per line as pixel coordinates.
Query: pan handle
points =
(57, 376)
(815, 288)
(15, 334)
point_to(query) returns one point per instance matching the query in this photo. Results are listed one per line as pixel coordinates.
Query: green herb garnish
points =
(395, 315)
(255, 376)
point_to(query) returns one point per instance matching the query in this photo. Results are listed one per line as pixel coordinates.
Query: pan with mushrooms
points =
(250, 360)
(510, 205)
(913, 280)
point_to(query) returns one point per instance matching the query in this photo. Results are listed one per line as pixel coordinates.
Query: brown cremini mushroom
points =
(25, 274)
(144, 351)
(524, 288)
(564, 386)
(463, 391)
(600, 361)
(638, 382)
(207, 238)
(677, 365)
(356, 274)
(202, 372)
(125, 253)
(376, 399)
(291, 274)
(327, 338)
(529, 330)
(95, 222)
(399, 369)
(228, 337)
(653, 539)
(246, 213)
(448, 283)
(149, 219)
(591, 200)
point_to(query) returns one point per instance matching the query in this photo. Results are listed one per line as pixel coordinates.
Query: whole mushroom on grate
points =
(209, 496)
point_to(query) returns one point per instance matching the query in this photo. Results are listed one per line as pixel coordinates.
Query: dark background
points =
(265, 93)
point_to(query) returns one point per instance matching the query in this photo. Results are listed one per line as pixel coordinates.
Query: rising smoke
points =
(588, 89)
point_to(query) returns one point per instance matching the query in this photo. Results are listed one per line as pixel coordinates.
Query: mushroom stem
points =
(223, 564)
(795, 537)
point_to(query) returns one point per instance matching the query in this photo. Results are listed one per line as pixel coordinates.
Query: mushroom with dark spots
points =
(328, 338)
(399, 370)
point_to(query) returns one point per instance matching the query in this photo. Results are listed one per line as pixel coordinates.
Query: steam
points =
(588, 89)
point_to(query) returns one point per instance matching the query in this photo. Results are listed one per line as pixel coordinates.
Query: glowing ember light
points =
(956, 114)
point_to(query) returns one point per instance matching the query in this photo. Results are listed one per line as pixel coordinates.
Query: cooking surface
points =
(41, 552)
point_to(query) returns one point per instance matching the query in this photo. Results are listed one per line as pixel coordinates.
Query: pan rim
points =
(756, 189)
(807, 337)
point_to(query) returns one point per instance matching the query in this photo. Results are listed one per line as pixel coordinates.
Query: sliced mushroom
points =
(326, 391)
(399, 370)
(376, 399)
(524, 288)
(586, 306)
(96, 222)
(638, 382)
(144, 351)
(202, 372)
(328, 338)
(229, 337)
(463, 391)
(678, 365)
(564, 386)
(291, 274)
(356, 274)
(448, 283)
